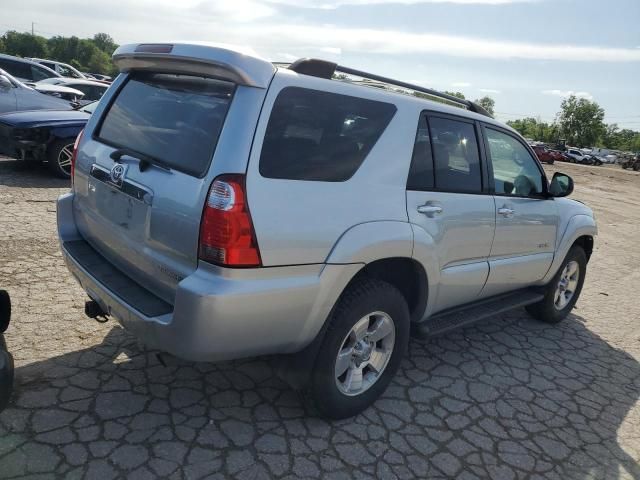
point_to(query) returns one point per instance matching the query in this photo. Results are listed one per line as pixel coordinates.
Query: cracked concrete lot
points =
(507, 398)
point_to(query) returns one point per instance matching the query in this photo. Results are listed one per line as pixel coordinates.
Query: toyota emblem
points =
(117, 174)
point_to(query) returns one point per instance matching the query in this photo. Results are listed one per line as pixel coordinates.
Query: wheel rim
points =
(64, 158)
(567, 285)
(364, 353)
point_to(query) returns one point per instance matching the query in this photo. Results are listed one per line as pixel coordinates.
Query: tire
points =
(636, 167)
(547, 310)
(5, 311)
(59, 157)
(369, 302)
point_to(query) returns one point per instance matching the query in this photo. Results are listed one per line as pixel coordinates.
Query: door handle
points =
(506, 212)
(430, 210)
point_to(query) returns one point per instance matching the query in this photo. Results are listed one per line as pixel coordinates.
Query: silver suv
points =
(223, 207)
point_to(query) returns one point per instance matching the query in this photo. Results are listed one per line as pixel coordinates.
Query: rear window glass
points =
(174, 118)
(321, 136)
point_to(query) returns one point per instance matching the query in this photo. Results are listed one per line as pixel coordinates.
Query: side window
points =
(321, 136)
(515, 171)
(421, 171)
(38, 73)
(456, 156)
(18, 69)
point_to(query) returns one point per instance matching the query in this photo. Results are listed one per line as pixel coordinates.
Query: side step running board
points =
(472, 312)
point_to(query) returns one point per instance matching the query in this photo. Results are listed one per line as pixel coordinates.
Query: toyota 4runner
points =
(225, 207)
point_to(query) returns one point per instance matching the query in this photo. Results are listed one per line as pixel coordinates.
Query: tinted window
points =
(456, 157)
(39, 73)
(515, 171)
(17, 69)
(314, 135)
(174, 118)
(421, 171)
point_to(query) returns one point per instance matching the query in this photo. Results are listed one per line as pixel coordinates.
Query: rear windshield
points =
(320, 136)
(173, 118)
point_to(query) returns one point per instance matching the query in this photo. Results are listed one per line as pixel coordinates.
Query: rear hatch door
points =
(144, 168)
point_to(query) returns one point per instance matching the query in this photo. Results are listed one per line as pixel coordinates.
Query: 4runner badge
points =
(117, 174)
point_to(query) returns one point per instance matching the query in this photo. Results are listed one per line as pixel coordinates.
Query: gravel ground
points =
(507, 398)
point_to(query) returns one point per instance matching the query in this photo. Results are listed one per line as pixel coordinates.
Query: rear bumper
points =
(218, 313)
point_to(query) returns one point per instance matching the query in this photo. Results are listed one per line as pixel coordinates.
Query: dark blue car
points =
(43, 136)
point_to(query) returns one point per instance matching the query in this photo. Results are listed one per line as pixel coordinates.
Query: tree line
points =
(86, 54)
(581, 123)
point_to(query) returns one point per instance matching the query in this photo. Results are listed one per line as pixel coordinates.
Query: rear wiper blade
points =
(143, 160)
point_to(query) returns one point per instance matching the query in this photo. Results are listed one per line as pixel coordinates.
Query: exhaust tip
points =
(92, 309)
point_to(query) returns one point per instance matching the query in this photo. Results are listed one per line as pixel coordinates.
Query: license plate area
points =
(125, 205)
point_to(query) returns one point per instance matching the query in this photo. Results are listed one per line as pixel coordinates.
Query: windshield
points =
(173, 118)
(89, 108)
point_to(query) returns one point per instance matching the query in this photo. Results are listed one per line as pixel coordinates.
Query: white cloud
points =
(285, 57)
(369, 41)
(331, 50)
(489, 90)
(332, 4)
(568, 93)
(460, 84)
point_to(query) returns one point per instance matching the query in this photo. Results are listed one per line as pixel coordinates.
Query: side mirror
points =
(561, 185)
(5, 84)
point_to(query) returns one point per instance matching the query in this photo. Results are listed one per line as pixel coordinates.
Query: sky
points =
(526, 54)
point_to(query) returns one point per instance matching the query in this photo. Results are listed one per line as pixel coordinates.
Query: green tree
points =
(24, 44)
(487, 103)
(455, 94)
(105, 43)
(581, 121)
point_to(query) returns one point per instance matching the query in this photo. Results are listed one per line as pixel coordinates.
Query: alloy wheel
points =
(364, 353)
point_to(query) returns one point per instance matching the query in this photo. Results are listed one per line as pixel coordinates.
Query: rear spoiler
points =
(209, 60)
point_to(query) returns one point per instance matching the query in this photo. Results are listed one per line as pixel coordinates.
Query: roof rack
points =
(324, 69)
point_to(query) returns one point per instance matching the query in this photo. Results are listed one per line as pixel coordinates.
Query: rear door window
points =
(320, 136)
(176, 119)
(456, 155)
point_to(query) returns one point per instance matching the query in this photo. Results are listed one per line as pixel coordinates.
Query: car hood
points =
(30, 118)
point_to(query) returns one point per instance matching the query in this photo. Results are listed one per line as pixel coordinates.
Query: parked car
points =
(16, 96)
(6, 360)
(102, 78)
(92, 89)
(63, 69)
(543, 153)
(233, 208)
(24, 69)
(43, 136)
(577, 156)
(60, 91)
(557, 156)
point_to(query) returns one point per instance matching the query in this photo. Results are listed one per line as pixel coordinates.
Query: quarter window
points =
(421, 171)
(515, 171)
(456, 156)
(321, 136)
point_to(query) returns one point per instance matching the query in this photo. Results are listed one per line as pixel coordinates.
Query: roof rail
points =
(324, 69)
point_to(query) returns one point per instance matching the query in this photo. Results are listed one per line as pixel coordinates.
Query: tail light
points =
(75, 154)
(226, 232)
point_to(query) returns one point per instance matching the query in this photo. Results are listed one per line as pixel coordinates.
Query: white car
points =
(91, 89)
(60, 91)
(63, 69)
(578, 156)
